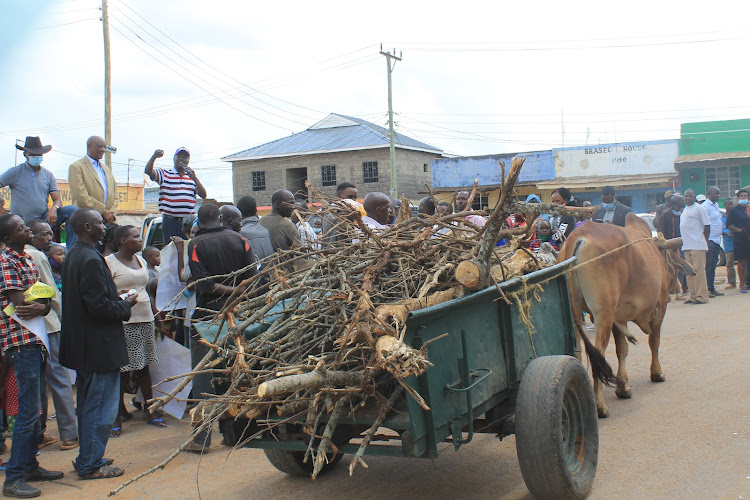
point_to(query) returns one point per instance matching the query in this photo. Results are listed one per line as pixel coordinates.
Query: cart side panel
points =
(478, 321)
(553, 328)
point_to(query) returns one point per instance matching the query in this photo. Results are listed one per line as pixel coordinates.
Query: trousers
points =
(697, 284)
(27, 367)
(98, 396)
(61, 389)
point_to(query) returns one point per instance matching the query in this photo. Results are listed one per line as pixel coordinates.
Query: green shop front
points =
(714, 153)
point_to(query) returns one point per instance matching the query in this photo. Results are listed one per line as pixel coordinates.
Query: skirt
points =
(741, 249)
(141, 343)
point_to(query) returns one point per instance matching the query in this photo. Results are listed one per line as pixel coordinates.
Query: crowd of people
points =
(112, 296)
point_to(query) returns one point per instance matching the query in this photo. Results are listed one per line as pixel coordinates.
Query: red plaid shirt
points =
(17, 272)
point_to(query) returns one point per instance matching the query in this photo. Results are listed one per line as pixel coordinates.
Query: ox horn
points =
(673, 243)
(665, 244)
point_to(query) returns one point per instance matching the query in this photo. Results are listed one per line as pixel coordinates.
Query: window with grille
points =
(653, 199)
(480, 201)
(328, 175)
(727, 179)
(370, 171)
(259, 181)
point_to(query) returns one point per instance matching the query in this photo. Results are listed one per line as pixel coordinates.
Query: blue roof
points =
(333, 133)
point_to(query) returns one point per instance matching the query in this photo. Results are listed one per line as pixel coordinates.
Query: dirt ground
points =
(688, 437)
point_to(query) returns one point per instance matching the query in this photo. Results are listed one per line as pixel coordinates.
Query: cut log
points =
(398, 358)
(468, 274)
(311, 380)
(398, 311)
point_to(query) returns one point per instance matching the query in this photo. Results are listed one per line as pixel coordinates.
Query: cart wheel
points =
(291, 462)
(557, 433)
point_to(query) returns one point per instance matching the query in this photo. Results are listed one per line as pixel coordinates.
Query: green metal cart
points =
(492, 374)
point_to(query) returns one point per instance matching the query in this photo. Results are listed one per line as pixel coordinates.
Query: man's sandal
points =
(107, 461)
(157, 422)
(104, 472)
(115, 432)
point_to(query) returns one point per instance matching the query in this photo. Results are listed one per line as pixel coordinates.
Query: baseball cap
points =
(181, 149)
(700, 198)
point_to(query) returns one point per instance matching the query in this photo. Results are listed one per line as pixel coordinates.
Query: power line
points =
(559, 48)
(199, 77)
(63, 24)
(192, 82)
(584, 113)
(216, 69)
(568, 40)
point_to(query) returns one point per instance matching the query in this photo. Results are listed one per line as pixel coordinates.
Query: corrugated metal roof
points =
(333, 133)
(712, 156)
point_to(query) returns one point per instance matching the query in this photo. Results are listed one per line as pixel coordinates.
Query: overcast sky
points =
(476, 77)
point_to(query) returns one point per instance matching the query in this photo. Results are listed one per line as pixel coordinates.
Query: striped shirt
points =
(176, 192)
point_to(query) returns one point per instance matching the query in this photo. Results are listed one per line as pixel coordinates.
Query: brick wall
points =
(411, 174)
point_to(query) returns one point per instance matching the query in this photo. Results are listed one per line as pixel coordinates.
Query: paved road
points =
(686, 438)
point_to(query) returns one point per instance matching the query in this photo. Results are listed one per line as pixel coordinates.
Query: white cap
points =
(700, 198)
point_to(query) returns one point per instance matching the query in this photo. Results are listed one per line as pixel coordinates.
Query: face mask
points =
(743, 202)
(544, 237)
(677, 213)
(608, 206)
(35, 161)
(317, 229)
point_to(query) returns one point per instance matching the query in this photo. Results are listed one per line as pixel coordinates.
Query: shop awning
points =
(632, 181)
(710, 157)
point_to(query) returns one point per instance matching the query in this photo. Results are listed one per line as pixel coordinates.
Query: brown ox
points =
(621, 275)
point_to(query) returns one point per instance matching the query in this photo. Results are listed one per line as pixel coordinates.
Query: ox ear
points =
(682, 266)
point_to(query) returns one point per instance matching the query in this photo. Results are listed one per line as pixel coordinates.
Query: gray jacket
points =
(258, 236)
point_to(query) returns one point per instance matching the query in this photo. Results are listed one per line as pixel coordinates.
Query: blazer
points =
(92, 338)
(620, 212)
(87, 191)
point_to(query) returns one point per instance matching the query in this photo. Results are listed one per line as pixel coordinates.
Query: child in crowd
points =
(56, 256)
(152, 256)
(543, 234)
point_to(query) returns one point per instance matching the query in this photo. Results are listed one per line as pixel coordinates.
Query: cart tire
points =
(291, 462)
(557, 429)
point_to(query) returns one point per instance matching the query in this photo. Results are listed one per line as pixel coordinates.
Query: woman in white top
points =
(130, 271)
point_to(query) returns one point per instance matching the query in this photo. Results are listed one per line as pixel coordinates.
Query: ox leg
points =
(603, 324)
(621, 334)
(654, 338)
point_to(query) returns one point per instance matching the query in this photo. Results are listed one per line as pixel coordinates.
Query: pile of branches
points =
(336, 317)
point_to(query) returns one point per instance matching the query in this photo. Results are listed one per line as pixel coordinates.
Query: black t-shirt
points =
(217, 251)
(738, 217)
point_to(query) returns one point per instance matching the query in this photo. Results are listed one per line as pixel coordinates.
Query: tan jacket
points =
(86, 190)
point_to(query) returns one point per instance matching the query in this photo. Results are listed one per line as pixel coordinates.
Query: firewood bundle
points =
(333, 319)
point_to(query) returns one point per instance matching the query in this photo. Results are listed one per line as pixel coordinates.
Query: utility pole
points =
(562, 126)
(127, 189)
(388, 57)
(107, 85)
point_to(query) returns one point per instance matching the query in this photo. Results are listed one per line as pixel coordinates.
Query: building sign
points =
(130, 197)
(655, 157)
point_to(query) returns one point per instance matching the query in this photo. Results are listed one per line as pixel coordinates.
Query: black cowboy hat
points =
(34, 146)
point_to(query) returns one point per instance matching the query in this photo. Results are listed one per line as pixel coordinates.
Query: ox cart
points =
(491, 374)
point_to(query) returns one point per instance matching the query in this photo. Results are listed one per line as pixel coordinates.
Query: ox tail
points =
(600, 369)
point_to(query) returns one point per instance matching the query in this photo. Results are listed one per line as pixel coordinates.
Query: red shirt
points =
(17, 272)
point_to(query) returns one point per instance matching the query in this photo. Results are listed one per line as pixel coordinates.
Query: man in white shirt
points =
(695, 229)
(378, 209)
(714, 238)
